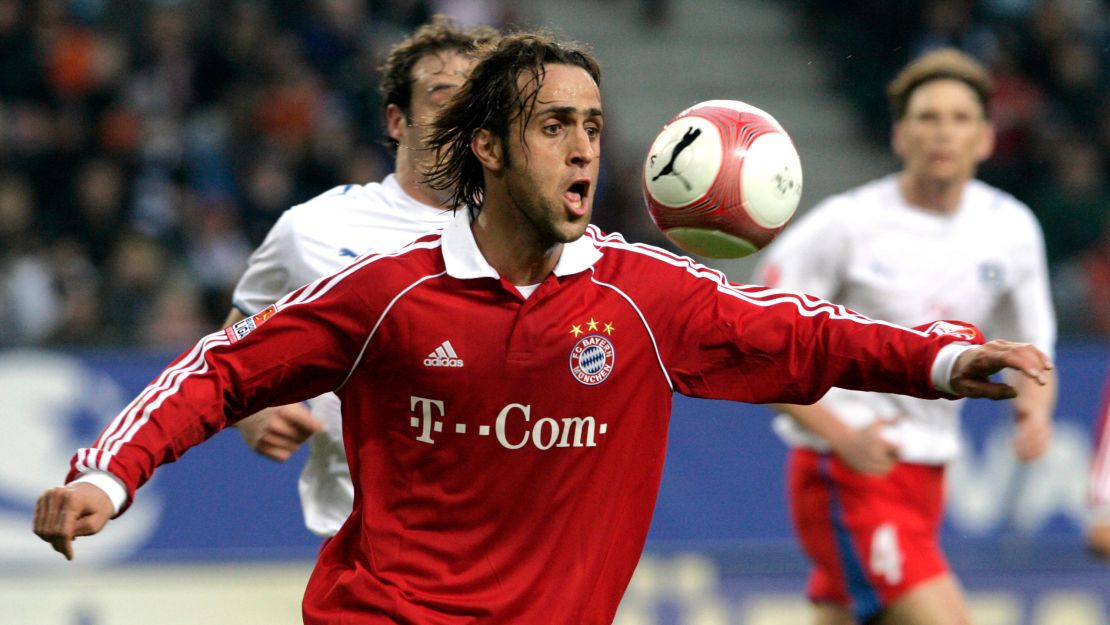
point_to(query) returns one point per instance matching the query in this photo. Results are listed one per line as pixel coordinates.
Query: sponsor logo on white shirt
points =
(992, 274)
(443, 356)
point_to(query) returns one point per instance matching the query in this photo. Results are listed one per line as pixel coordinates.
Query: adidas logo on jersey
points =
(443, 356)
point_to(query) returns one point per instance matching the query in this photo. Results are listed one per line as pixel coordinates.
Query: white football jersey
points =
(871, 251)
(307, 242)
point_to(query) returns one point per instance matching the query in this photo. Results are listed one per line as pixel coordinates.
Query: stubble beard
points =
(540, 213)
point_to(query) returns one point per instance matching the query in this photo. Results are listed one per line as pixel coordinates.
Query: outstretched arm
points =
(276, 433)
(1033, 386)
(307, 346)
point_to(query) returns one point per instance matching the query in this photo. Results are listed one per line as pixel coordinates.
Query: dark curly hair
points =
(441, 34)
(493, 100)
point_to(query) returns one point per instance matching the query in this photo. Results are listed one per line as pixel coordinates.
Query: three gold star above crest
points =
(592, 325)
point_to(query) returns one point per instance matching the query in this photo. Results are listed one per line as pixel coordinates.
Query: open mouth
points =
(577, 192)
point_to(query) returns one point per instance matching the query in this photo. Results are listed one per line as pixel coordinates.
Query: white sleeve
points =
(943, 363)
(1026, 313)
(809, 255)
(110, 484)
(267, 278)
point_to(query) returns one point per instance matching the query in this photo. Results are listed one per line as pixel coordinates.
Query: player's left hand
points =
(867, 451)
(972, 371)
(66, 512)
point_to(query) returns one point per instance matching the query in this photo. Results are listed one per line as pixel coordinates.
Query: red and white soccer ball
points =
(722, 179)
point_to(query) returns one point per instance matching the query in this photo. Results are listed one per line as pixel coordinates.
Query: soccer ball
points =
(722, 179)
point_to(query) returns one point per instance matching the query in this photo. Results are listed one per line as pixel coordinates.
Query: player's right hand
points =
(868, 451)
(972, 370)
(277, 433)
(66, 512)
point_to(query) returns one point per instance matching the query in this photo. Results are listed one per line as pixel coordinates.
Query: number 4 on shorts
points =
(886, 557)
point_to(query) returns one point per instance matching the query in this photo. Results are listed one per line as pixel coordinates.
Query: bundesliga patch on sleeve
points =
(963, 331)
(242, 328)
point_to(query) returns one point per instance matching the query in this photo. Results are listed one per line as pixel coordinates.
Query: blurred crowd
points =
(1051, 108)
(146, 146)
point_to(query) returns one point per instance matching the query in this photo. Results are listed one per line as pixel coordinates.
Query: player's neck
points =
(940, 197)
(409, 178)
(512, 246)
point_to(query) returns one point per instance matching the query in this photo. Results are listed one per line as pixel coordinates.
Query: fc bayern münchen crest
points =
(591, 359)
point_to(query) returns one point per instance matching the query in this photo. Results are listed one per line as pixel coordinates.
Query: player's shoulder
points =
(388, 272)
(991, 198)
(999, 207)
(851, 209)
(342, 201)
(381, 213)
(615, 247)
(626, 261)
(871, 196)
(844, 216)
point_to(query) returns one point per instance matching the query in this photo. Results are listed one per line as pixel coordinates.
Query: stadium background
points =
(146, 146)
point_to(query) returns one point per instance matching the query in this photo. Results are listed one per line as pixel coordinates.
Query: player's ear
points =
(395, 122)
(489, 149)
(986, 143)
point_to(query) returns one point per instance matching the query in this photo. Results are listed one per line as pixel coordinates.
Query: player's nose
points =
(583, 149)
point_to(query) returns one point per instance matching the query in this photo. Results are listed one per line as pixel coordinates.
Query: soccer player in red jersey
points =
(506, 384)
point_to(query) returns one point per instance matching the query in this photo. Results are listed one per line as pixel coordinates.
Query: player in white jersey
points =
(327, 233)
(929, 242)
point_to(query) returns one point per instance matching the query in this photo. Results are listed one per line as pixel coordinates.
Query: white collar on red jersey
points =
(464, 261)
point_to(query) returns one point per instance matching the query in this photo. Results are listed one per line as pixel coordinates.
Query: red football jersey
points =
(506, 451)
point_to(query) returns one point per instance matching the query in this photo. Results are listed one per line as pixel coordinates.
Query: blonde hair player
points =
(866, 470)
